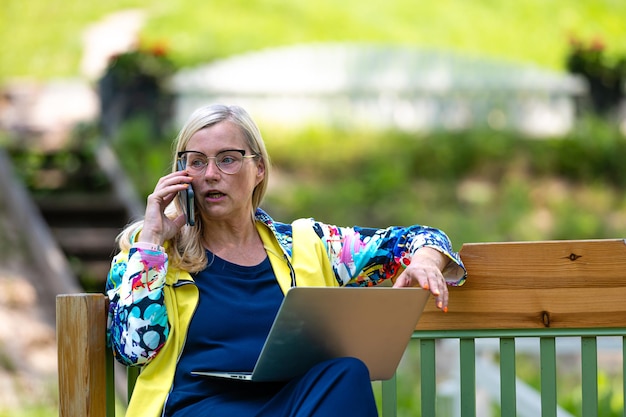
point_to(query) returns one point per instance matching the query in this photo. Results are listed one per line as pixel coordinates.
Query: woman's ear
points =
(260, 171)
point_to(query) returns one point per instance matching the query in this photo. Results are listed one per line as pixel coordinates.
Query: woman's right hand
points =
(157, 227)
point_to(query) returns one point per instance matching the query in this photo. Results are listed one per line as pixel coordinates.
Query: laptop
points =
(315, 324)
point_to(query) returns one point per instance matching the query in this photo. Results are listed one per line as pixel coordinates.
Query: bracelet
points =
(148, 246)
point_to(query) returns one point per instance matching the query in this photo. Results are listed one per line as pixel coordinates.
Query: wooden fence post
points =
(81, 342)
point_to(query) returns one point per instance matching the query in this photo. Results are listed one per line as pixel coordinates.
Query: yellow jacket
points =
(156, 378)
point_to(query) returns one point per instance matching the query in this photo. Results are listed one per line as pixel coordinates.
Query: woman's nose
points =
(212, 170)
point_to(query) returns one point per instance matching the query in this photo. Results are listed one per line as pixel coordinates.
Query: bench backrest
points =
(527, 289)
(537, 285)
(543, 290)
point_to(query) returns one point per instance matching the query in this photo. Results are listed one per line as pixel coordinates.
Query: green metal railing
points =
(131, 379)
(508, 396)
(467, 357)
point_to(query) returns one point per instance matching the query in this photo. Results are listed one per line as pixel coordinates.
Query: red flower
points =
(597, 44)
(159, 49)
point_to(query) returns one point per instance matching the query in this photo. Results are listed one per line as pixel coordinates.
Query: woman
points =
(208, 293)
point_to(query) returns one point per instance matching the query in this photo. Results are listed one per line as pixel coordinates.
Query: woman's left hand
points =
(425, 271)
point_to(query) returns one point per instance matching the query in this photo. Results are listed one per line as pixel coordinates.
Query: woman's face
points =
(221, 196)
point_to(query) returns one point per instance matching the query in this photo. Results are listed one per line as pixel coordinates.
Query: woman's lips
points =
(215, 195)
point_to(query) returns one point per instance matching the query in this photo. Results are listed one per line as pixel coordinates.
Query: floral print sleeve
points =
(137, 322)
(365, 256)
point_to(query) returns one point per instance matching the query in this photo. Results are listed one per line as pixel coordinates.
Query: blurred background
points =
(494, 121)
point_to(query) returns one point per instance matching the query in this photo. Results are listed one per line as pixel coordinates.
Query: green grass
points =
(43, 38)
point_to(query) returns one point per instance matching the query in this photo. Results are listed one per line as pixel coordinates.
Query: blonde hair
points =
(185, 250)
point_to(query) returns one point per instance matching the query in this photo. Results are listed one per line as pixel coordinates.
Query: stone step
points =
(85, 227)
(86, 209)
(86, 241)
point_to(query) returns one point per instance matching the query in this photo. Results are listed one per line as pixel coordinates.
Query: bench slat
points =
(428, 377)
(589, 375)
(552, 284)
(624, 372)
(508, 392)
(389, 397)
(569, 262)
(467, 348)
(547, 353)
(110, 383)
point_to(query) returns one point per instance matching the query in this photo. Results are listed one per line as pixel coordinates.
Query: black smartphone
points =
(186, 198)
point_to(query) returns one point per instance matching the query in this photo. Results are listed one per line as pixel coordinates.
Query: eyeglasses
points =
(229, 161)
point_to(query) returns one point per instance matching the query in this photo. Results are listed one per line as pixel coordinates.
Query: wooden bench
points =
(545, 290)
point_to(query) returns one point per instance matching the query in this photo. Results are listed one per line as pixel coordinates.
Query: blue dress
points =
(236, 308)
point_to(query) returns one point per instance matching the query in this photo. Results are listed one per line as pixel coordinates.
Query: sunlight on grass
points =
(532, 31)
